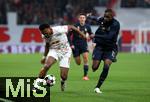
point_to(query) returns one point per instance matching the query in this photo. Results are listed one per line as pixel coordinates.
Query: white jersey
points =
(58, 39)
(59, 45)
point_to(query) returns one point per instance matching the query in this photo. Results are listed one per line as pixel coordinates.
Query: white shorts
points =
(61, 56)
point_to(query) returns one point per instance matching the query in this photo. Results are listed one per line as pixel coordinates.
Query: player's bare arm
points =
(45, 53)
(78, 31)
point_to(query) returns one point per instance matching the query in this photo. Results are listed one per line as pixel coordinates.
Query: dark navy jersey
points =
(107, 33)
(77, 39)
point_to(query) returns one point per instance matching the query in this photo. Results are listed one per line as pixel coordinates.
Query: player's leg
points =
(77, 60)
(103, 76)
(50, 60)
(64, 75)
(48, 63)
(107, 62)
(96, 57)
(95, 65)
(83, 48)
(64, 64)
(86, 66)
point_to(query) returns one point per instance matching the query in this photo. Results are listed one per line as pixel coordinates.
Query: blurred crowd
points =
(135, 3)
(55, 11)
(40, 11)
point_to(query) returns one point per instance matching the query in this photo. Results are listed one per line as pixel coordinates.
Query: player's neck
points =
(82, 24)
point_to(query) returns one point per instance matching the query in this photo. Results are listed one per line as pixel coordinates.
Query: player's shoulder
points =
(116, 22)
(55, 28)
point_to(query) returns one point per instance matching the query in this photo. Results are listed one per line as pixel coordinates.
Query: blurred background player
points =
(57, 48)
(106, 47)
(79, 45)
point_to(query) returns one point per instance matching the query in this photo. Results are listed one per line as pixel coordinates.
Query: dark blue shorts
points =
(79, 50)
(100, 54)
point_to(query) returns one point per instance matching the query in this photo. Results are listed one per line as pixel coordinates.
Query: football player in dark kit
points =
(79, 45)
(106, 47)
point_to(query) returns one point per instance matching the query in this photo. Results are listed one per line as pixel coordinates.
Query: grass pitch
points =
(128, 79)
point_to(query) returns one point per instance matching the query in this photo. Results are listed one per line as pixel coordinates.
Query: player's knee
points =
(85, 57)
(85, 60)
(94, 67)
(107, 62)
(78, 62)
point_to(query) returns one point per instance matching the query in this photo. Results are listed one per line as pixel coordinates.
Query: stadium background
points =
(21, 46)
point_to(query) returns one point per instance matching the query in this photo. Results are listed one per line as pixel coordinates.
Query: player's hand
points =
(88, 39)
(43, 60)
(93, 45)
(88, 14)
(72, 47)
(92, 36)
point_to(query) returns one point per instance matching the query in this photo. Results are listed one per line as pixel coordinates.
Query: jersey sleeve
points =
(95, 18)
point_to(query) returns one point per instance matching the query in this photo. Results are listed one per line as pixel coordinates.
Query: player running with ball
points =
(57, 48)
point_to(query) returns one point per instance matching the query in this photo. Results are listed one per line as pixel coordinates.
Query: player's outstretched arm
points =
(77, 30)
(90, 16)
(45, 53)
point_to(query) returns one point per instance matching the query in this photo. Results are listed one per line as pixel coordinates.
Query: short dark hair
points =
(82, 14)
(109, 10)
(43, 26)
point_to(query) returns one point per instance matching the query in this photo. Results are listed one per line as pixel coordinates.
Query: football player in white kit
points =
(57, 48)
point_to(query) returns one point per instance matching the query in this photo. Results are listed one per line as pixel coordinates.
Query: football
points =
(50, 80)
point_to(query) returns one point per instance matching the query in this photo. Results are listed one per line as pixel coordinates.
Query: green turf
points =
(128, 80)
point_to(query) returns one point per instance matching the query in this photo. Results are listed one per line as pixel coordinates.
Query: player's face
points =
(47, 32)
(108, 16)
(82, 19)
